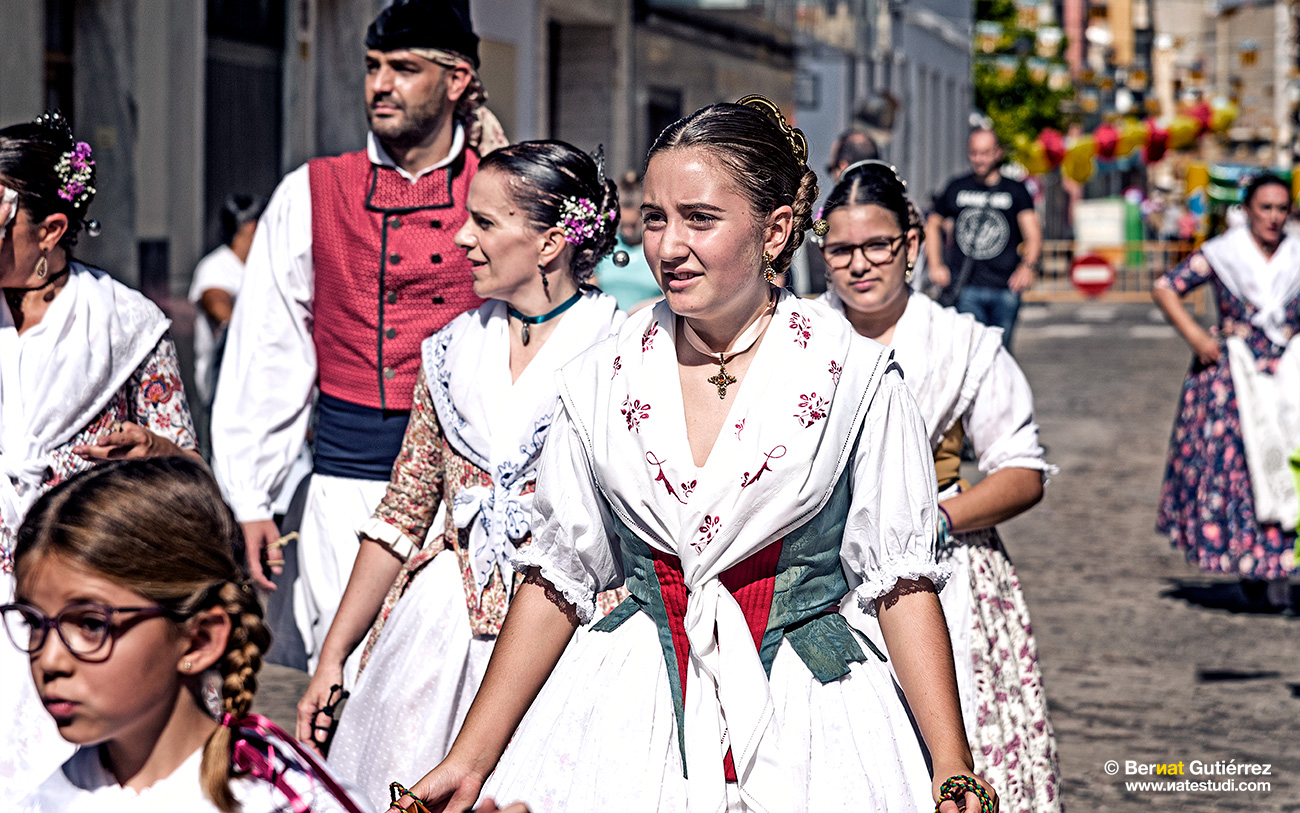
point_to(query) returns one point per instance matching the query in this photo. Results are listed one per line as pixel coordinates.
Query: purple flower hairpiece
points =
(580, 219)
(74, 170)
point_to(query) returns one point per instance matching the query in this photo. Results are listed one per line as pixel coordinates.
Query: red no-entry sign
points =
(1092, 274)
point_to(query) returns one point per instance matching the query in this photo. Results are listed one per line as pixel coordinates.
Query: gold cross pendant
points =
(722, 380)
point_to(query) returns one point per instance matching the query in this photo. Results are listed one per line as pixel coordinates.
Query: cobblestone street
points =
(1145, 658)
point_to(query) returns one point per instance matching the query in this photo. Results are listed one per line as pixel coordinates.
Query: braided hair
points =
(34, 161)
(180, 548)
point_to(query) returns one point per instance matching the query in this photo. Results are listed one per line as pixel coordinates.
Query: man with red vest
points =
(352, 267)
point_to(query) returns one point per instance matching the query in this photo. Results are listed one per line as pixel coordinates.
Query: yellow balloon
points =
(1078, 167)
(1183, 130)
(1034, 158)
(1223, 113)
(1132, 136)
(1198, 177)
(1083, 148)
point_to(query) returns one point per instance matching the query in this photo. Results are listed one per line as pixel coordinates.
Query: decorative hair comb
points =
(764, 105)
(893, 170)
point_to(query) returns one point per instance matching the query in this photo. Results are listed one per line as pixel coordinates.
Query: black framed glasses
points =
(87, 629)
(877, 251)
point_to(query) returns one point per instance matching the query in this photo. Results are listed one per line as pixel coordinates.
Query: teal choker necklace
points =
(545, 317)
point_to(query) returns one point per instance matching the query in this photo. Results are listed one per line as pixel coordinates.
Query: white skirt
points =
(602, 734)
(411, 699)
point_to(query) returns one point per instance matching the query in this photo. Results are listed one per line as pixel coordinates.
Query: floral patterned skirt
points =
(1003, 704)
(1206, 505)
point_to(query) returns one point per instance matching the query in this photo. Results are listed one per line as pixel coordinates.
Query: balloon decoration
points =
(1077, 156)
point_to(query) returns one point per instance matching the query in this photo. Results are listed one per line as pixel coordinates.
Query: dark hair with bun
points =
(875, 184)
(1259, 182)
(29, 159)
(550, 172)
(758, 156)
(238, 210)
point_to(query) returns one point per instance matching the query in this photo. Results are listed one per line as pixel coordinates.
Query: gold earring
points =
(186, 666)
(820, 227)
(769, 273)
(42, 267)
(907, 277)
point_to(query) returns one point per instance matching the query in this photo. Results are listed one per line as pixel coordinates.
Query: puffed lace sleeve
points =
(574, 544)
(1000, 422)
(889, 534)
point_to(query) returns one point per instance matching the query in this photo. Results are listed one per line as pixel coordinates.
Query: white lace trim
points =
(576, 593)
(402, 546)
(918, 565)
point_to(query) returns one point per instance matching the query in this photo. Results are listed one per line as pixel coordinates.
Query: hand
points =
(940, 275)
(258, 535)
(126, 440)
(971, 804)
(317, 697)
(451, 787)
(1023, 278)
(1207, 350)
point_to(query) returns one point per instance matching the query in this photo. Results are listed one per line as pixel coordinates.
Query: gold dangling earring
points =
(42, 267)
(907, 277)
(769, 273)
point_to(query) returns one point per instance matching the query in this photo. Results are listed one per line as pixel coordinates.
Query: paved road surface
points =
(1145, 658)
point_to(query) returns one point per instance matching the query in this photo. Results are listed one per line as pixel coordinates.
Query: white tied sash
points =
(1267, 283)
(56, 377)
(788, 438)
(499, 426)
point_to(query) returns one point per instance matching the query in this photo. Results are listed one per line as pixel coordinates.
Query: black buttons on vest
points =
(394, 259)
(435, 258)
(395, 222)
(437, 300)
(435, 224)
(391, 297)
(391, 333)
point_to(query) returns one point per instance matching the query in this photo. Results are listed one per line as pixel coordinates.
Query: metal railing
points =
(1137, 264)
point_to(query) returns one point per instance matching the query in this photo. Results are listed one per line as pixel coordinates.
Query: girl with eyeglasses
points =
(967, 386)
(144, 638)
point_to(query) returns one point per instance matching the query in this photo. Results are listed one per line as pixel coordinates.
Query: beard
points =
(416, 122)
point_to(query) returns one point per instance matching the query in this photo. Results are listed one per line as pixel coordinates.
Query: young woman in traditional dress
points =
(541, 217)
(747, 463)
(1228, 501)
(967, 386)
(145, 637)
(87, 372)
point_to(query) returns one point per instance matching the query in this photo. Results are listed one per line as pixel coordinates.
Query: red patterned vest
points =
(387, 273)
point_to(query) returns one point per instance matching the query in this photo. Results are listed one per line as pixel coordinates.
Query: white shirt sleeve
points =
(1000, 422)
(574, 544)
(889, 534)
(263, 402)
(220, 269)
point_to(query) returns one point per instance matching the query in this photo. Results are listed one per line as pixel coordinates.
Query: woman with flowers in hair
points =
(748, 465)
(541, 216)
(87, 372)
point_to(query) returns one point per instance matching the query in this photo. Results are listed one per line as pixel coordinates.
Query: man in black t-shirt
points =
(996, 238)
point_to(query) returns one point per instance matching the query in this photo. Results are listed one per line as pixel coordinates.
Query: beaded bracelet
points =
(947, 521)
(955, 788)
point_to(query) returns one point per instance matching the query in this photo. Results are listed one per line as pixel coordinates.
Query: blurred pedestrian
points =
(996, 241)
(352, 267)
(624, 274)
(217, 279)
(1224, 497)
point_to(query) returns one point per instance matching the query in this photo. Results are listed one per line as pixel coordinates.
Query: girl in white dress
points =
(541, 216)
(145, 637)
(747, 464)
(967, 385)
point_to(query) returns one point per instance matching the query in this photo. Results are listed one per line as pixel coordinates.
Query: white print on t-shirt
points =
(982, 234)
(983, 199)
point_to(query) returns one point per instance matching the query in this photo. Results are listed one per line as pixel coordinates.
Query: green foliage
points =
(1019, 106)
